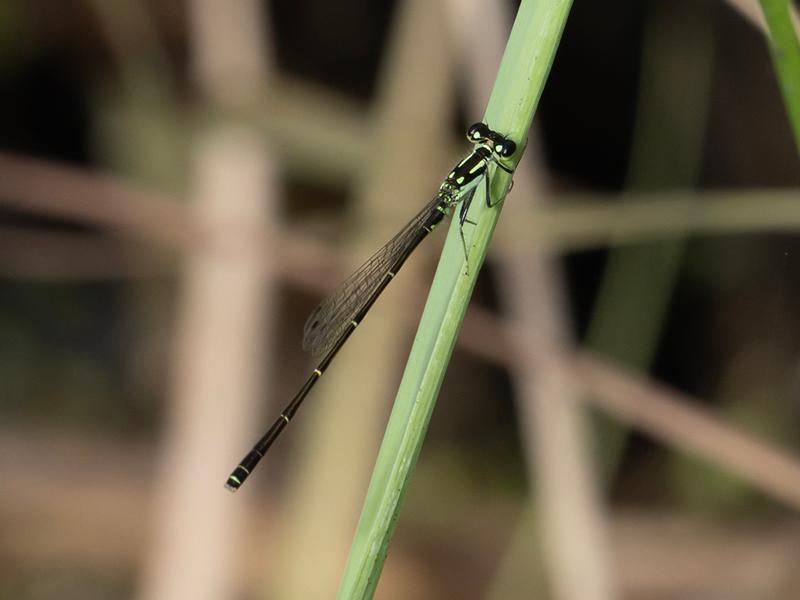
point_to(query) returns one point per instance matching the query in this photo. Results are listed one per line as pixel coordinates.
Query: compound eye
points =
(506, 149)
(473, 135)
(477, 132)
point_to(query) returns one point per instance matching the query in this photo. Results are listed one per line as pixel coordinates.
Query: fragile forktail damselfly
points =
(332, 322)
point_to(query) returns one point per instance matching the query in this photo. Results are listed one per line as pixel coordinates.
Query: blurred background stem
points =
(785, 51)
(634, 297)
(343, 427)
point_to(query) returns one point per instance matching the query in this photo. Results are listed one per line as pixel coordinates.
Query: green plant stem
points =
(785, 51)
(520, 80)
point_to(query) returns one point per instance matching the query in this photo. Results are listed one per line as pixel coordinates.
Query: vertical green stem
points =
(521, 77)
(785, 51)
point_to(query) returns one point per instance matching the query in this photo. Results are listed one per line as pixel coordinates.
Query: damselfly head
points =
(480, 133)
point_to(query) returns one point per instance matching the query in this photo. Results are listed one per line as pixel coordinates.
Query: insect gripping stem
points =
(335, 319)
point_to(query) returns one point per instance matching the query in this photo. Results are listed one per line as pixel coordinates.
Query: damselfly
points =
(332, 322)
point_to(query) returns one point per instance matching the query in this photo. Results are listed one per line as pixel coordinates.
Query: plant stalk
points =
(521, 77)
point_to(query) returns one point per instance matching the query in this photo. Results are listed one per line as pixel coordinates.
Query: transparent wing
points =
(328, 321)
